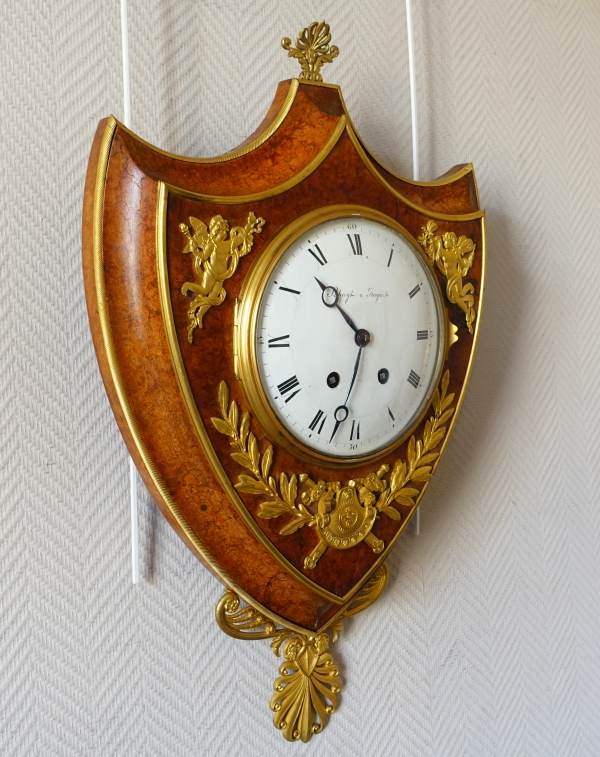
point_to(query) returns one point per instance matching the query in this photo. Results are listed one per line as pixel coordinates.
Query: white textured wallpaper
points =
(487, 639)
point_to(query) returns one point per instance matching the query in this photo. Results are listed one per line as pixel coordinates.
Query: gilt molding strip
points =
(261, 139)
(190, 402)
(103, 315)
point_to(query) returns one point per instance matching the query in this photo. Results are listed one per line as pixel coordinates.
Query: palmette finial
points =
(312, 50)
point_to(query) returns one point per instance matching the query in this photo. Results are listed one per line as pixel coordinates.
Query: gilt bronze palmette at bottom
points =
(308, 682)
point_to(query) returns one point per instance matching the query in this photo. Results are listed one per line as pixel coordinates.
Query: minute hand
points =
(354, 374)
(345, 316)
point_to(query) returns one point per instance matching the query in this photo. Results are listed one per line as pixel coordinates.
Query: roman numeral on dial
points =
(313, 424)
(288, 386)
(422, 334)
(354, 430)
(277, 341)
(318, 255)
(287, 289)
(356, 245)
(413, 379)
(414, 291)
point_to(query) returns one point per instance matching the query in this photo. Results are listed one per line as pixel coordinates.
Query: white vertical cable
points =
(413, 92)
(415, 153)
(135, 559)
(125, 49)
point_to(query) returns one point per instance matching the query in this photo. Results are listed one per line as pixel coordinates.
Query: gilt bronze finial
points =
(312, 49)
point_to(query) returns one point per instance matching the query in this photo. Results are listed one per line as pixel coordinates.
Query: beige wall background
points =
(487, 640)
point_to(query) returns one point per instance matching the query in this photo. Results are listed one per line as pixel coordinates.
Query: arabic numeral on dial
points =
(351, 226)
(353, 446)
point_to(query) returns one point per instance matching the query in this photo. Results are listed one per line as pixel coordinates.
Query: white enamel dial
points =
(348, 337)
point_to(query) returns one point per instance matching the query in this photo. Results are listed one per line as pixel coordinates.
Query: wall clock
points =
(285, 334)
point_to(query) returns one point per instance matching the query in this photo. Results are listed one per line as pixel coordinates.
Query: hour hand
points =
(330, 297)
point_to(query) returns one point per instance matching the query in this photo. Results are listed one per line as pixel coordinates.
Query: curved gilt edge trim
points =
(466, 169)
(272, 128)
(194, 414)
(307, 686)
(440, 182)
(243, 623)
(115, 372)
(457, 218)
(343, 125)
(370, 593)
(273, 191)
(236, 153)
